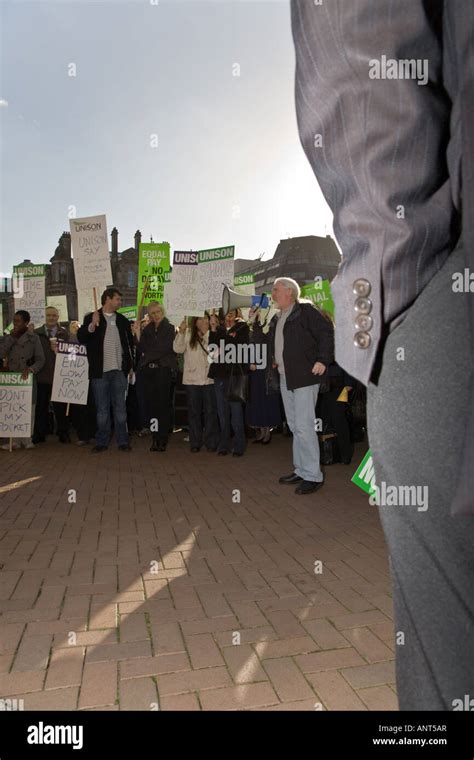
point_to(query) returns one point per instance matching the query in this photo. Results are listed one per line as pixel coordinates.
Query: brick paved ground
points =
(157, 588)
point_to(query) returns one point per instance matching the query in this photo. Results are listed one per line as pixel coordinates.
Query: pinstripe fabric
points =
(391, 158)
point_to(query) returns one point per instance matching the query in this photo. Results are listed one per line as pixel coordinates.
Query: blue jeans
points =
(229, 412)
(111, 389)
(300, 406)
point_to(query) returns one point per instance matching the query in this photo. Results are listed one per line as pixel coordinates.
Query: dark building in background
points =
(302, 258)
(60, 279)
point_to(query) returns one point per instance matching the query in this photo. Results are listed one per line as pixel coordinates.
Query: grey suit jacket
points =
(391, 144)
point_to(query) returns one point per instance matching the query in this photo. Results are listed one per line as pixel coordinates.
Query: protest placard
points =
(244, 284)
(86, 303)
(59, 303)
(130, 312)
(15, 405)
(71, 374)
(364, 476)
(153, 268)
(32, 295)
(215, 267)
(90, 248)
(182, 293)
(319, 292)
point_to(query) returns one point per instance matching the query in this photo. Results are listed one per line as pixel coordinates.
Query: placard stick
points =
(94, 290)
(67, 410)
(140, 308)
(11, 443)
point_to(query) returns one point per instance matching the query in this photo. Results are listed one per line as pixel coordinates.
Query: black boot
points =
(154, 445)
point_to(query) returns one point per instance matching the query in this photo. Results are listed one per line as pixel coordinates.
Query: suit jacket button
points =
(362, 340)
(363, 305)
(361, 287)
(363, 322)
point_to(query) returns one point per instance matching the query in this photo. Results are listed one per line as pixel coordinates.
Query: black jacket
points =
(238, 334)
(156, 346)
(46, 374)
(95, 343)
(308, 338)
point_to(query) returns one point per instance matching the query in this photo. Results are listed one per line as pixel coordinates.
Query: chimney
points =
(138, 239)
(114, 236)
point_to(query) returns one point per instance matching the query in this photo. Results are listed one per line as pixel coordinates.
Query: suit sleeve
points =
(377, 144)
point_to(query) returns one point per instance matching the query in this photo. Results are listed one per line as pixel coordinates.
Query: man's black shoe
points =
(36, 439)
(290, 480)
(162, 447)
(64, 438)
(237, 453)
(222, 453)
(98, 449)
(125, 447)
(307, 486)
(195, 450)
(154, 446)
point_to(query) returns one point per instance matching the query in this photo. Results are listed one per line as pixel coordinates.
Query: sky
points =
(134, 108)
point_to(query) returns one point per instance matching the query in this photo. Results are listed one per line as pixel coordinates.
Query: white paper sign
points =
(85, 301)
(33, 295)
(15, 405)
(59, 303)
(71, 374)
(90, 248)
(182, 293)
(197, 280)
(216, 268)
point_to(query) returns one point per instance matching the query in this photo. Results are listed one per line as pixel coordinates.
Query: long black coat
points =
(308, 338)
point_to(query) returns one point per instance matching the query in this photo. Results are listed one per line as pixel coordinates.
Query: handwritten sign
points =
(90, 247)
(182, 293)
(15, 405)
(216, 266)
(59, 303)
(33, 294)
(71, 374)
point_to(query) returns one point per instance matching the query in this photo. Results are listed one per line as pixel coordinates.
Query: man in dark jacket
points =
(49, 334)
(22, 352)
(302, 348)
(108, 337)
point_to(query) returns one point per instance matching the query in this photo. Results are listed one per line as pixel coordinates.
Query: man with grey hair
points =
(302, 347)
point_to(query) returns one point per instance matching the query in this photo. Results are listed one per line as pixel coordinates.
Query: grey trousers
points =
(416, 420)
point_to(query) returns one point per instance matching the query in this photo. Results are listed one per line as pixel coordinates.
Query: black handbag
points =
(237, 389)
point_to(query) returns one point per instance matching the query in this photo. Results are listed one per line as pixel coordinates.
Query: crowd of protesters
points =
(238, 375)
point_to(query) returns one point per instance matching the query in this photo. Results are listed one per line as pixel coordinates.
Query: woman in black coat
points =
(232, 331)
(156, 361)
(263, 407)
